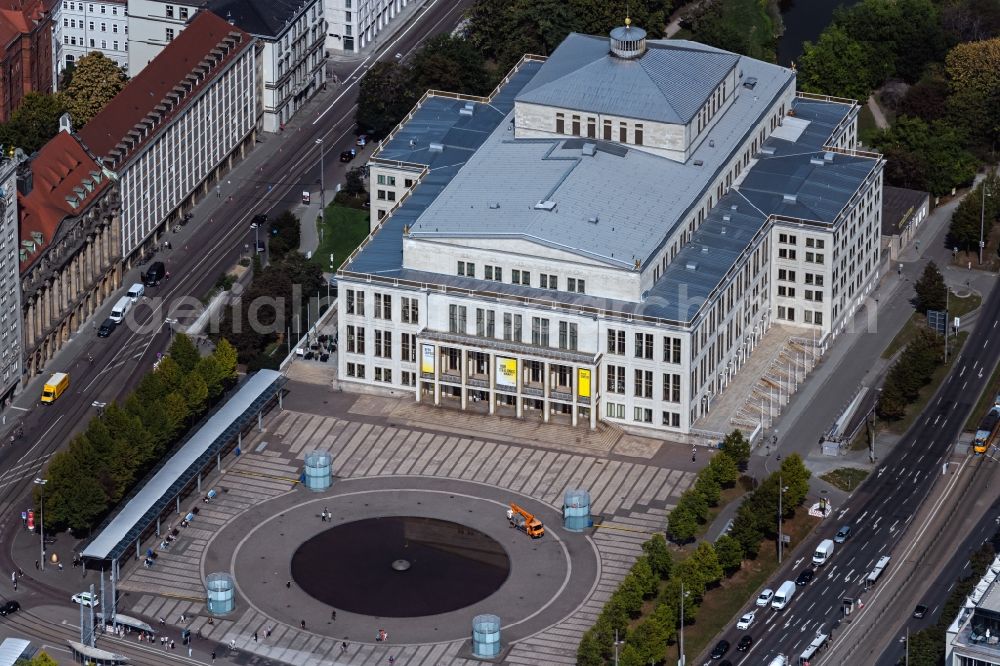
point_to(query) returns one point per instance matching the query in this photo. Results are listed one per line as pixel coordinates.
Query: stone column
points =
(491, 371)
(437, 375)
(464, 374)
(546, 387)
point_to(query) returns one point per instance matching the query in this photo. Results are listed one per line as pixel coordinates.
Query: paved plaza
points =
(392, 457)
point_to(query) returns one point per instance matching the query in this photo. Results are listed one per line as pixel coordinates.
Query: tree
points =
(729, 552)
(928, 97)
(195, 392)
(451, 64)
(973, 211)
(73, 497)
(649, 640)
(385, 95)
(974, 71)
(355, 183)
(683, 524)
(34, 122)
(589, 652)
(660, 560)
(724, 470)
(96, 81)
(835, 65)
(630, 594)
(925, 156)
(643, 572)
(737, 447)
(795, 478)
(747, 531)
(286, 235)
(184, 353)
(631, 656)
(225, 354)
(696, 503)
(930, 289)
(706, 563)
(708, 488)
(40, 659)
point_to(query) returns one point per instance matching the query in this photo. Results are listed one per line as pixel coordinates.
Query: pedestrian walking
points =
(213, 656)
(173, 646)
(694, 454)
(303, 624)
(333, 615)
(36, 565)
(392, 659)
(288, 585)
(255, 637)
(343, 647)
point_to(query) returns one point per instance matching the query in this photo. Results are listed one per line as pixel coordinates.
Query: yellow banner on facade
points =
(427, 359)
(507, 372)
(583, 382)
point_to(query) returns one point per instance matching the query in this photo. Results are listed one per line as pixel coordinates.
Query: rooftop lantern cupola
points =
(628, 42)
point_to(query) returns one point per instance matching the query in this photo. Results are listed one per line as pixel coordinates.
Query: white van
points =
(780, 660)
(783, 595)
(136, 291)
(121, 309)
(823, 552)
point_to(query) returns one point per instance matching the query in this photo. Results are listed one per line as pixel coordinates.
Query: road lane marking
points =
(40, 439)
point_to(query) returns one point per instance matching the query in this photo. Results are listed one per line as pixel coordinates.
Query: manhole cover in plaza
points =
(400, 566)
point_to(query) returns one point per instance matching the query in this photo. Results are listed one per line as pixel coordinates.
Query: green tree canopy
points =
(925, 156)
(729, 552)
(724, 470)
(836, 65)
(974, 71)
(450, 64)
(931, 292)
(96, 81)
(975, 214)
(737, 447)
(33, 123)
(184, 353)
(385, 95)
(683, 523)
(660, 559)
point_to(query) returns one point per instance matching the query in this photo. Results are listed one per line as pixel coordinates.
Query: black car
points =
(9, 607)
(157, 271)
(107, 328)
(745, 643)
(348, 155)
(721, 648)
(920, 611)
(805, 577)
(260, 219)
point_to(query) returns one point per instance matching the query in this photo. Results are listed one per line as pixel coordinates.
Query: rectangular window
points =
(576, 125)
(671, 387)
(491, 327)
(493, 273)
(622, 133)
(383, 344)
(644, 345)
(408, 347)
(607, 130)
(615, 411)
(184, 13)
(638, 134)
(672, 419)
(548, 281)
(383, 306)
(468, 269)
(169, 34)
(616, 379)
(170, 11)
(671, 350)
(576, 285)
(540, 332)
(456, 318)
(560, 124)
(480, 322)
(409, 310)
(520, 277)
(567, 336)
(616, 342)
(643, 415)
(643, 387)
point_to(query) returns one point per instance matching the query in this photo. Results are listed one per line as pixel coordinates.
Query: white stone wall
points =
(294, 65)
(188, 148)
(79, 28)
(11, 343)
(148, 24)
(353, 24)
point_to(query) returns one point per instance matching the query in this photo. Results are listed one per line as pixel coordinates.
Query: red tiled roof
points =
(159, 77)
(61, 166)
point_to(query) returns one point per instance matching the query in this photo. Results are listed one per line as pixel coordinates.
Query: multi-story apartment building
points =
(972, 638)
(352, 24)
(293, 33)
(81, 27)
(162, 136)
(70, 252)
(26, 56)
(608, 235)
(152, 24)
(10, 292)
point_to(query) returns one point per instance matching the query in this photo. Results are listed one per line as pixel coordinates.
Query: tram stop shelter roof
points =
(150, 500)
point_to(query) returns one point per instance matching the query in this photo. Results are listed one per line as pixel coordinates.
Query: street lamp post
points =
(982, 221)
(41, 521)
(322, 179)
(681, 661)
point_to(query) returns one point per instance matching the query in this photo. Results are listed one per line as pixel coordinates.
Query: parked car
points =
(85, 599)
(9, 607)
(721, 648)
(362, 140)
(260, 219)
(843, 534)
(805, 577)
(348, 155)
(107, 328)
(920, 611)
(745, 621)
(765, 597)
(745, 643)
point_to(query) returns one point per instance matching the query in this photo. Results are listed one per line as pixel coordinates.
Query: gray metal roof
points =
(13, 649)
(669, 83)
(141, 509)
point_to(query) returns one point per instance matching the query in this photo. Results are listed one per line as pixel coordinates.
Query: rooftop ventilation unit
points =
(790, 198)
(467, 110)
(750, 83)
(593, 219)
(818, 161)
(494, 205)
(704, 250)
(436, 147)
(767, 150)
(589, 149)
(725, 230)
(711, 143)
(413, 142)
(691, 266)
(734, 207)
(545, 205)
(726, 218)
(828, 157)
(699, 163)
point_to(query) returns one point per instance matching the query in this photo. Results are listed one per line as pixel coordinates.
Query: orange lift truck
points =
(525, 521)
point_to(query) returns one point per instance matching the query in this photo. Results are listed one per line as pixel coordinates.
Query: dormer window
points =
(592, 128)
(638, 134)
(622, 133)
(560, 123)
(607, 130)
(576, 125)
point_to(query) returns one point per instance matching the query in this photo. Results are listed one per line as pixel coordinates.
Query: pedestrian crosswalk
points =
(630, 499)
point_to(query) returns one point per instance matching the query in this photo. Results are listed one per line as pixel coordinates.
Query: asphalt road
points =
(957, 568)
(879, 511)
(267, 181)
